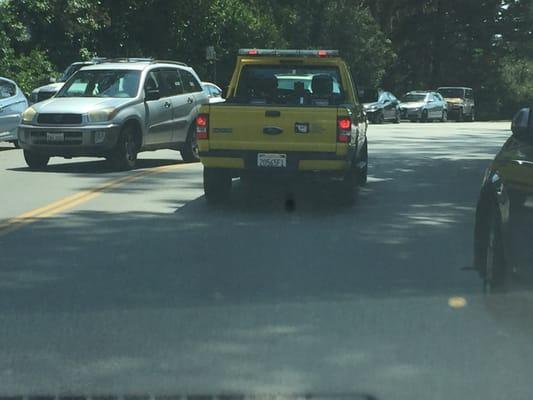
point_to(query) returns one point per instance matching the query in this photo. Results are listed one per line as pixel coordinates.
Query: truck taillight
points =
(202, 127)
(344, 129)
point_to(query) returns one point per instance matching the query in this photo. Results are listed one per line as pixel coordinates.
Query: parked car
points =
(116, 110)
(380, 106)
(288, 112)
(423, 106)
(504, 216)
(12, 104)
(213, 92)
(45, 92)
(461, 103)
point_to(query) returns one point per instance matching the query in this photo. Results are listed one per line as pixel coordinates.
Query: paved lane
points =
(146, 289)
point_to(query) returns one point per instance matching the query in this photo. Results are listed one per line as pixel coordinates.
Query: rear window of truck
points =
(289, 85)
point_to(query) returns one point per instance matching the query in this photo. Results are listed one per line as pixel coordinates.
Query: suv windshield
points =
(452, 93)
(413, 97)
(297, 85)
(102, 83)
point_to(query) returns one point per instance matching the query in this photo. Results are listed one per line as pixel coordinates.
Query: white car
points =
(12, 105)
(213, 92)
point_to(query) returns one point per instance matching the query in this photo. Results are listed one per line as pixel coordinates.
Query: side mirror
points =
(522, 124)
(152, 94)
(53, 79)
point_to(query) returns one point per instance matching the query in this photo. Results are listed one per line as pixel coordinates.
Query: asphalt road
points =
(128, 283)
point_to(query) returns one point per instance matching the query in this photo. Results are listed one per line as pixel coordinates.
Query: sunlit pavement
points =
(145, 289)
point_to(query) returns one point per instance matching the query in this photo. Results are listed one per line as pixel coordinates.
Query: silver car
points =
(12, 104)
(423, 106)
(213, 92)
(116, 110)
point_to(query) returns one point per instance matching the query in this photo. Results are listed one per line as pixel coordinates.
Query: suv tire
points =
(189, 151)
(124, 156)
(36, 161)
(217, 185)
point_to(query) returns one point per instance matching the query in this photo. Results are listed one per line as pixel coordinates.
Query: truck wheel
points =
(217, 185)
(124, 156)
(362, 173)
(190, 152)
(35, 160)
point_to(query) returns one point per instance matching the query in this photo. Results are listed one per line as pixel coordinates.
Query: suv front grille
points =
(59, 119)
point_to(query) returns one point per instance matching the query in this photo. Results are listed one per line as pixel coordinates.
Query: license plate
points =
(55, 137)
(272, 160)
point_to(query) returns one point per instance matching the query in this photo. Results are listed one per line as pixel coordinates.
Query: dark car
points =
(380, 106)
(504, 216)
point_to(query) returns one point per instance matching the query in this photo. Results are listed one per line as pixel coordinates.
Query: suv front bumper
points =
(93, 140)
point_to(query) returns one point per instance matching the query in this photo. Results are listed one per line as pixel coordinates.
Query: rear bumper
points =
(79, 141)
(296, 161)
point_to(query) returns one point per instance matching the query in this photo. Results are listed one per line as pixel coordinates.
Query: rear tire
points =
(190, 152)
(362, 174)
(425, 116)
(217, 185)
(494, 270)
(124, 156)
(444, 116)
(36, 161)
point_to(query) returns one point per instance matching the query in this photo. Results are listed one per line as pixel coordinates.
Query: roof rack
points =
(128, 60)
(168, 62)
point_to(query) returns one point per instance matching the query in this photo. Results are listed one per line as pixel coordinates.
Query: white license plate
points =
(55, 137)
(272, 160)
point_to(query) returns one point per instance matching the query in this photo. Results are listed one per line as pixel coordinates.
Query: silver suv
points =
(116, 110)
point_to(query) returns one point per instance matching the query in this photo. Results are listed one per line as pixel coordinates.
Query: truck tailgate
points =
(273, 128)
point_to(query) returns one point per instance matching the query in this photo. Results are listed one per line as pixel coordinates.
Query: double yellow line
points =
(74, 200)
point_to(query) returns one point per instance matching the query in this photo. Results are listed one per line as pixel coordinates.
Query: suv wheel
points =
(190, 152)
(217, 185)
(444, 116)
(124, 156)
(35, 160)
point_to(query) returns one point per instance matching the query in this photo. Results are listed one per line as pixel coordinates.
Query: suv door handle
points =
(190, 100)
(168, 104)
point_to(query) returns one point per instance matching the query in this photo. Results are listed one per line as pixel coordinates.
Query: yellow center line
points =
(75, 199)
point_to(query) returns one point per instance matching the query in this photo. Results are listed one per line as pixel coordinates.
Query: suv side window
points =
(170, 83)
(7, 89)
(190, 83)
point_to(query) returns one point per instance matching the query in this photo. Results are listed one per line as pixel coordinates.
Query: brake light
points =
(202, 127)
(253, 52)
(344, 129)
(322, 53)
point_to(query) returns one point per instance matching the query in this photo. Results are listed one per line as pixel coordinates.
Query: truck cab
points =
(287, 112)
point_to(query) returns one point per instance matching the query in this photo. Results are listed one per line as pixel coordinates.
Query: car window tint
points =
(7, 89)
(151, 82)
(170, 82)
(190, 83)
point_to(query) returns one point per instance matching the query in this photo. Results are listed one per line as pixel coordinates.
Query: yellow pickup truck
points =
(287, 112)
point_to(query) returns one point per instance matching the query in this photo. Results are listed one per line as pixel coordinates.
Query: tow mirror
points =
(522, 124)
(152, 94)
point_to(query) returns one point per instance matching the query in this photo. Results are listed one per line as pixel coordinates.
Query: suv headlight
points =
(101, 115)
(29, 115)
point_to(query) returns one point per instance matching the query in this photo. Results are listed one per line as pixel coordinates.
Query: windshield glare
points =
(452, 93)
(102, 83)
(411, 98)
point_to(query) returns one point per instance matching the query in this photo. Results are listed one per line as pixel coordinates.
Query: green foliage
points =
(395, 44)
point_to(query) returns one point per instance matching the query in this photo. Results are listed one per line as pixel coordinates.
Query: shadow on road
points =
(97, 166)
